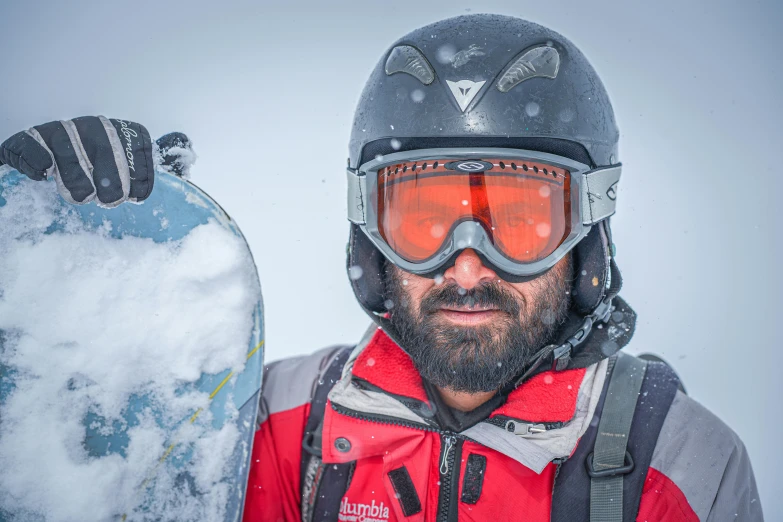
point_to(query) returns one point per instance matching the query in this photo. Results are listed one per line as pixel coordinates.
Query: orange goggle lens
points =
(523, 206)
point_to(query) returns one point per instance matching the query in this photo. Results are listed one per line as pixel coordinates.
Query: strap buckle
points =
(562, 353)
(562, 356)
(626, 468)
(602, 311)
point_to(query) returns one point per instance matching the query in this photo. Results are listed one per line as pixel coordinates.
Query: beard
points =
(485, 357)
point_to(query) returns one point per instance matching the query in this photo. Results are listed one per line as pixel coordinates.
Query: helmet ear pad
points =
(592, 258)
(591, 270)
(368, 287)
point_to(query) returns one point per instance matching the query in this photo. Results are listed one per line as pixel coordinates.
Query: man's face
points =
(470, 331)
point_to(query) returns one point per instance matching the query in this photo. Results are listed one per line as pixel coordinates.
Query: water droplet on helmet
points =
(355, 272)
(445, 53)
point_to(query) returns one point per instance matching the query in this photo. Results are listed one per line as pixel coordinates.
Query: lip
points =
(466, 316)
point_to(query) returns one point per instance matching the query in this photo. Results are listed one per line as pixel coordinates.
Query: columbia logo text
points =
(358, 512)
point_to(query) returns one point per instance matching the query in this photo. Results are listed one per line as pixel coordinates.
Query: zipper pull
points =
(520, 428)
(444, 465)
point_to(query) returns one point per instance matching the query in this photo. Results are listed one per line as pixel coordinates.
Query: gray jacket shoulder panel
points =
(708, 462)
(289, 383)
(738, 497)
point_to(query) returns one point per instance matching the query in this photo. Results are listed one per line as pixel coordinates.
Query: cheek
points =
(417, 289)
(531, 290)
(527, 292)
(414, 288)
(524, 291)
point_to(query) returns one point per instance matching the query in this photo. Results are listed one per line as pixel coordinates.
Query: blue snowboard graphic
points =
(174, 209)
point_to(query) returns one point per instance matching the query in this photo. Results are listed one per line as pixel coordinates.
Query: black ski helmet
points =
(486, 81)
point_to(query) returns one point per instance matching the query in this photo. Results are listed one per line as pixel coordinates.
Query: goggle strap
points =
(599, 193)
(357, 190)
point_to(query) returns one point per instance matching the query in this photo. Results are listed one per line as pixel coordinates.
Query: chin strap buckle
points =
(602, 311)
(562, 354)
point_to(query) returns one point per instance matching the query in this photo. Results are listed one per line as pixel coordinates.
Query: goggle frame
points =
(593, 199)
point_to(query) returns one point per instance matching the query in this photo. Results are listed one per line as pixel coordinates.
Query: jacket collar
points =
(381, 384)
(546, 397)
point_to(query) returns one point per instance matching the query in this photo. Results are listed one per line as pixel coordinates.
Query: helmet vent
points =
(407, 59)
(542, 61)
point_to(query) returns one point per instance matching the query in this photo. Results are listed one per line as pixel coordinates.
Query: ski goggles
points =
(521, 210)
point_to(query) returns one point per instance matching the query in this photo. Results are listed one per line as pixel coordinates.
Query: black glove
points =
(89, 157)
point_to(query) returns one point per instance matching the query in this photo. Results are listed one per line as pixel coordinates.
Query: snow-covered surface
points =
(88, 320)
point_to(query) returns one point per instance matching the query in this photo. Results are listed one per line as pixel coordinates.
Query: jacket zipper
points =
(383, 419)
(451, 451)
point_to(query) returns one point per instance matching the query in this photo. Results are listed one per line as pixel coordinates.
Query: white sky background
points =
(267, 92)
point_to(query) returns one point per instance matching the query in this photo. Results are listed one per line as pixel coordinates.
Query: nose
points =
(468, 270)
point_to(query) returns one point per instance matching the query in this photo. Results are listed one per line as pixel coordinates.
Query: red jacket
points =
(699, 471)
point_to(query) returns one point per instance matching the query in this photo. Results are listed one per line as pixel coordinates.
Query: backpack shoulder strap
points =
(604, 478)
(322, 487)
(610, 460)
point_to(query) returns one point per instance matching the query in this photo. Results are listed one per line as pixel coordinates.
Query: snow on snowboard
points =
(131, 352)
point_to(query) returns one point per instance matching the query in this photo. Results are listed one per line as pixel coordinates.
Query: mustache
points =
(485, 295)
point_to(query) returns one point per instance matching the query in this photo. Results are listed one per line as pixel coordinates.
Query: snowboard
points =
(131, 356)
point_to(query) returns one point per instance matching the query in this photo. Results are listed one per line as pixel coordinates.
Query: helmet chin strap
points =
(561, 353)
